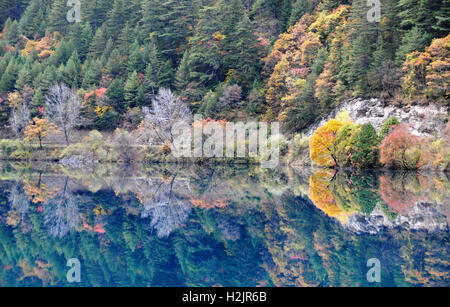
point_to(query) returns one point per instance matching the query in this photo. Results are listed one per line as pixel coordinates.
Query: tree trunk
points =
(67, 137)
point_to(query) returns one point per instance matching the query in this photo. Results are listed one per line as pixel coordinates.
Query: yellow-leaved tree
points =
(323, 140)
(38, 129)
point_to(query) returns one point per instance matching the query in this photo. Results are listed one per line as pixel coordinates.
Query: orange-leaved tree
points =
(428, 72)
(403, 150)
(323, 140)
(38, 129)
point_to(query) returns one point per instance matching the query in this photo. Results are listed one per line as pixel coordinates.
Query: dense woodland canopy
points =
(227, 59)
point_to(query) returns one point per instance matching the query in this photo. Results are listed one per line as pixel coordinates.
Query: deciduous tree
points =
(323, 141)
(38, 128)
(167, 110)
(62, 106)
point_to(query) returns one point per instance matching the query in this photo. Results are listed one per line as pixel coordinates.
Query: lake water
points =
(172, 225)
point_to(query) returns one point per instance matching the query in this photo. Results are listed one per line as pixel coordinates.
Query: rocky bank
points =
(425, 120)
(422, 217)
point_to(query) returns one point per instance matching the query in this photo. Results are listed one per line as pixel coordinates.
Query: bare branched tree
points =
(167, 210)
(167, 110)
(20, 118)
(19, 202)
(232, 94)
(61, 213)
(62, 107)
(124, 145)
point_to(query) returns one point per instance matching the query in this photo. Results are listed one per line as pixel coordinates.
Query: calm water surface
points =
(198, 226)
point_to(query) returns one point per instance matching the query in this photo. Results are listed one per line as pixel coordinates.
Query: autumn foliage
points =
(342, 143)
(207, 204)
(38, 129)
(403, 150)
(323, 198)
(322, 141)
(427, 74)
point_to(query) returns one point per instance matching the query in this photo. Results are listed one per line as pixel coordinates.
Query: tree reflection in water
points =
(199, 226)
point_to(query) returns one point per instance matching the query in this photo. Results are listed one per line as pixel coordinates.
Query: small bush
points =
(301, 144)
(388, 126)
(20, 154)
(166, 148)
(415, 158)
(14, 150)
(8, 146)
(92, 148)
(124, 145)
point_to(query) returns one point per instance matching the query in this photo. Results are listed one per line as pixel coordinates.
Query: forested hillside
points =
(227, 59)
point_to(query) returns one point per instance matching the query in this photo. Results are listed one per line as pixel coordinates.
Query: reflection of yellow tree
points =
(38, 192)
(322, 196)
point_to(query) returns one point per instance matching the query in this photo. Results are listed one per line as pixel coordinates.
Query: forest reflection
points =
(194, 225)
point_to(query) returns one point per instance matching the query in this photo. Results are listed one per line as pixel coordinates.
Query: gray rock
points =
(424, 120)
(423, 216)
(76, 161)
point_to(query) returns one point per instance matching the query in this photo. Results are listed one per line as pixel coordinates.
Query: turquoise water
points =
(169, 225)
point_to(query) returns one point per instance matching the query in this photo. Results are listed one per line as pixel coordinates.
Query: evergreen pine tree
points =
(114, 66)
(8, 79)
(28, 22)
(85, 41)
(125, 40)
(136, 59)
(45, 79)
(115, 94)
(57, 21)
(131, 90)
(13, 34)
(244, 54)
(107, 52)
(442, 15)
(414, 39)
(286, 15)
(363, 44)
(116, 18)
(300, 8)
(165, 75)
(62, 54)
(98, 44)
(95, 12)
(24, 77)
(70, 74)
(93, 73)
(37, 102)
(200, 67)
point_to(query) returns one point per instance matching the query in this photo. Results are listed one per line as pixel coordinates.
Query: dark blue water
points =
(222, 226)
